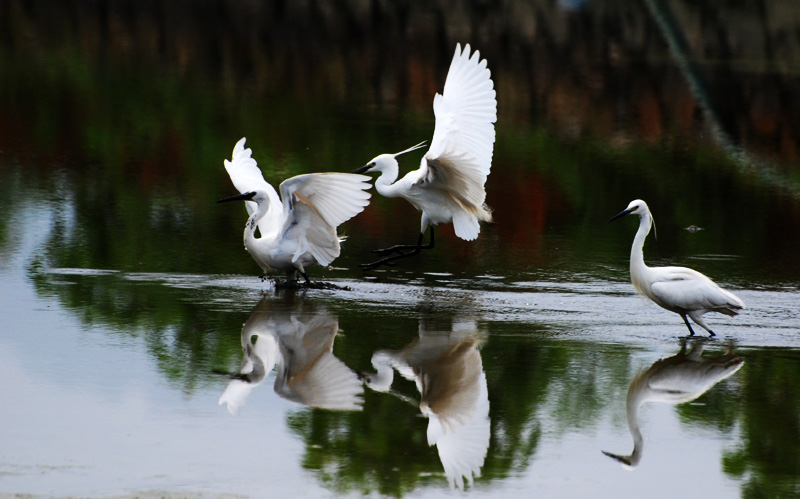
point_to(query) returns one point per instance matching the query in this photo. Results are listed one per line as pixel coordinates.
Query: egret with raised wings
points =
(297, 229)
(684, 291)
(449, 184)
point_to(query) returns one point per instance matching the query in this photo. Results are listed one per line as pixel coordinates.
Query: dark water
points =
(125, 367)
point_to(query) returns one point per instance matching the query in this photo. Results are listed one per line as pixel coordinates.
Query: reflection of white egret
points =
(449, 184)
(677, 289)
(674, 380)
(448, 372)
(299, 228)
(301, 346)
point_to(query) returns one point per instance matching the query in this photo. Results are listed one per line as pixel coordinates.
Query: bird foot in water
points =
(293, 284)
(324, 285)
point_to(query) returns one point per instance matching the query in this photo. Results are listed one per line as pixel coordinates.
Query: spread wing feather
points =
(460, 155)
(246, 177)
(336, 197)
(317, 203)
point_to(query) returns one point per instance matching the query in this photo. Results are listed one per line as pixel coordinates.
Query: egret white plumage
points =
(297, 229)
(449, 184)
(684, 291)
(674, 380)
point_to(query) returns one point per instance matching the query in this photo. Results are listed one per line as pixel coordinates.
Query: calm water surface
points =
(140, 354)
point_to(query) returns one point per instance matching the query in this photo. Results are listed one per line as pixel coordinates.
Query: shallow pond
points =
(142, 355)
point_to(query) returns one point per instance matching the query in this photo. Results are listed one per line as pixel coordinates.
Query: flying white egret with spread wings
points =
(298, 228)
(449, 184)
(677, 289)
(674, 380)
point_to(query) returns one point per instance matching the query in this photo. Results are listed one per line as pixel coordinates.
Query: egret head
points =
(256, 196)
(379, 164)
(635, 207)
(259, 197)
(385, 162)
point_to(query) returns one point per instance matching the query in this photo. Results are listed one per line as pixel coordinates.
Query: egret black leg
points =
(691, 331)
(402, 248)
(390, 259)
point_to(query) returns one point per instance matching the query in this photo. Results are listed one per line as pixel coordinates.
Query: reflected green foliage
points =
(187, 341)
(765, 461)
(517, 389)
(381, 449)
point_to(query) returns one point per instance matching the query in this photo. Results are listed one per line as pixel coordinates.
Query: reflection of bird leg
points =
(399, 249)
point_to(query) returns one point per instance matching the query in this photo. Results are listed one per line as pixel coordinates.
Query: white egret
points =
(449, 184)
(684, 291)
(297, 229)
(674, 380)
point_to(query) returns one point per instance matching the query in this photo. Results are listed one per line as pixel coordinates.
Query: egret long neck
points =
(637, 255)
(250, 229)
(385, 183)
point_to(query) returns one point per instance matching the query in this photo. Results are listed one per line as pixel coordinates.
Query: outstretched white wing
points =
(317, 203)
(247, 177)
(460, 155)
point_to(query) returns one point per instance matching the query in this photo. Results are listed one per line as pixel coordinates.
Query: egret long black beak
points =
(363, 169)
(620, 214)
(247, 196)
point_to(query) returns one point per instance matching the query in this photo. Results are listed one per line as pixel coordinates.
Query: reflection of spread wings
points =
(316, 204)
(301, 345)
(462, 447)
(460, 155)
(455, 399)
(310, 374)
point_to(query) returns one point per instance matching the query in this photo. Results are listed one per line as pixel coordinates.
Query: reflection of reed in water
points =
(674, 380)
(300, 344)
(448, 372)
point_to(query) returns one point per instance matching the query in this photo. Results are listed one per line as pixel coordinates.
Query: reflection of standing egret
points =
(448, 372)
(449, 184)
(674, 380)
(677, 289)
(297, 229)
(300, 344)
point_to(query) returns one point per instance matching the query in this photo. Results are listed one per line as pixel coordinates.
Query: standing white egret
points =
(297, 229)
(674, 380)
(449, 184)
(677, 289)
